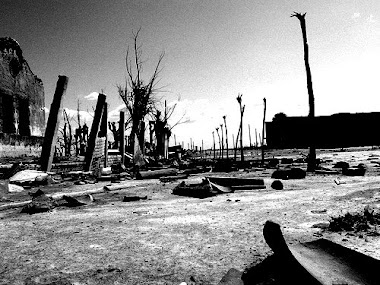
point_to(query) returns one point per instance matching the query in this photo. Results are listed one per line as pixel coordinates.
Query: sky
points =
(214, 50)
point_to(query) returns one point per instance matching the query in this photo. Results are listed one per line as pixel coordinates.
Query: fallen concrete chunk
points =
(29, 177)
(40, 203)
(72, 202)
(13, 188)
(134, 198)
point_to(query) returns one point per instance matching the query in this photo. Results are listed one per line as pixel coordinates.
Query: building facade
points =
(22, 98)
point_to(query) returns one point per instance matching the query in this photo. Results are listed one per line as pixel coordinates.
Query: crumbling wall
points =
(22, 97)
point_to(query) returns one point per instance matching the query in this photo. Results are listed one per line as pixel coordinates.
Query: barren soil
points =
(170, 239)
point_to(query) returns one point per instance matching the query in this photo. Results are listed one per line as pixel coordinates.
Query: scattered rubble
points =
(40, 203)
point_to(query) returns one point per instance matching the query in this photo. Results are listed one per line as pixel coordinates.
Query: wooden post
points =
(263, 136)
(50, 139)
(94, 131)
(122, 136)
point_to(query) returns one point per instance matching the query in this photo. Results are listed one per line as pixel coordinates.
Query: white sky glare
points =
(213, 51)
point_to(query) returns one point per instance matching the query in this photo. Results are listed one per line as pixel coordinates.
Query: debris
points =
(289, 173)
(359, 170)
(277, 185)
(341, 164)
(151, 174)
(134, 198)
(13, 188)
(235, 181)
(72, 202)
(40, 203)
(322, 225)
(173, 178)
(199, 190)
(367, 220)
(323, 211)
(12, 171)
(232, 277)
(29, 177)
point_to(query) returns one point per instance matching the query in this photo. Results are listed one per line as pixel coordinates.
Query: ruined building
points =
(335, 131)
(22, 97)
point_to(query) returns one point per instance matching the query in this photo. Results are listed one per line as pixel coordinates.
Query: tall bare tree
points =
(311, 165)
(137, 94)
(242, 108)
(220, 146)
(221, 131)
(225, 125)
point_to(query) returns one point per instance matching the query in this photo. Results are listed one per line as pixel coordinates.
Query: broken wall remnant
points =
(22, 97)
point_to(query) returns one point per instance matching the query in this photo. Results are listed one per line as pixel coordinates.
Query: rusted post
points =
(50, 139)
(94, 131)
(122, 136)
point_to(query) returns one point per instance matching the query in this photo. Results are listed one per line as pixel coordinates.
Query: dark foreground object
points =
(317, 262)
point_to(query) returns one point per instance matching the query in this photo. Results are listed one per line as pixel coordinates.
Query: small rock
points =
(277, 185)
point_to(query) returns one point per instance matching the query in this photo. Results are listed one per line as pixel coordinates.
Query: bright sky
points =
(213, 51)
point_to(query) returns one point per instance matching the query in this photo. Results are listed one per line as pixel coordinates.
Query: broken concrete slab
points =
(29, 177)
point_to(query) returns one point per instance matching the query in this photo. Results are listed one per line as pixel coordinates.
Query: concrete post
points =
(50, 139)
(94, 131)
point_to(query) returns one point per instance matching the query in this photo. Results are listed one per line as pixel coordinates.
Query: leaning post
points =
(50, 139)
(94, 131)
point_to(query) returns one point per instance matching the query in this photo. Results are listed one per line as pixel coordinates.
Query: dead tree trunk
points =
(220, 148)
(312, 153)
(225, 125)
(221, 131)
(241, 126)
(213, 141)
(263, 132)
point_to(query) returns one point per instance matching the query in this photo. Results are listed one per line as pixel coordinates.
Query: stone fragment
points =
(277, 185)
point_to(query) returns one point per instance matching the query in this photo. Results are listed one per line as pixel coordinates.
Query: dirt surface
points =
(169, 239)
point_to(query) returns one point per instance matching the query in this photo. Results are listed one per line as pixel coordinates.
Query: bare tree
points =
(220, 147)
(311, 165)
(225, 125)
(213, 141)
(221, 131)
(139, 95)
(242, 108)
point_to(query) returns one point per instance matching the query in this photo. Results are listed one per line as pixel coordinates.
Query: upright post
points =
(94, 131)
(213, 141)
(257, 144)
(50, 139)
(221, 130)
(122, 136)
(249, 132)
(263, 136)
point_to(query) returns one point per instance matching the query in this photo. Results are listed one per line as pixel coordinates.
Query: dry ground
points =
(169, 239)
